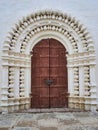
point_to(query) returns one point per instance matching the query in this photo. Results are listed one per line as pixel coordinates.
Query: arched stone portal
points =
(16, 59)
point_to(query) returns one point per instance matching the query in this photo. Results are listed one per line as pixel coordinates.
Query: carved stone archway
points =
(16, 59)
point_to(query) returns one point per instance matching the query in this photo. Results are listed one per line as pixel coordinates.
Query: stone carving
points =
(81, 56)
(64, 20)
(21, 83)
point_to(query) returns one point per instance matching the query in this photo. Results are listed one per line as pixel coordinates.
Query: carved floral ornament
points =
(49, 21)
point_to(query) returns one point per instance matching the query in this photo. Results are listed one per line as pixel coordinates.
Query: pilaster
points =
(27, 86)
(16, 88)
(70, 81)
(4, 89)
(27, 81)
(93, 92)
(81, 81)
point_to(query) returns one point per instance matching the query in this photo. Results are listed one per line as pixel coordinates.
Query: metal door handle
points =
(48, 81)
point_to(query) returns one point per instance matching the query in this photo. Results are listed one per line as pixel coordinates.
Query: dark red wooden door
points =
(49, 75)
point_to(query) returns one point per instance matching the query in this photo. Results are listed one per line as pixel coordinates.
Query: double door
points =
(49, 75)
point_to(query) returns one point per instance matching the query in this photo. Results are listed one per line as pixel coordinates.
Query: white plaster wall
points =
(84, 10)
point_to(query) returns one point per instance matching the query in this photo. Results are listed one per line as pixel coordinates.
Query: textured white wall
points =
(84, 10)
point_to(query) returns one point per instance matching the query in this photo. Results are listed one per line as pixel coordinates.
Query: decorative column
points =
(27, 86)
(4, 89)
(11, 78)
(76, 81)
(93, 93)
(22, 82)
(22, 88)
(16, 88)
(70, 86)
(76, 87)
(87, 87)
(27, 81)
(70, 81)
(81, 87)
(81, 81)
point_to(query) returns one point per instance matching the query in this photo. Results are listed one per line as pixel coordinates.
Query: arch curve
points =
(50, 20)
(47, 35)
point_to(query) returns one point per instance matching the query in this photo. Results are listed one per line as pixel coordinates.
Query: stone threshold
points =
(50, 110)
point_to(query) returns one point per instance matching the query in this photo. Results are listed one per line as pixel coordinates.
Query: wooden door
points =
(49, 75)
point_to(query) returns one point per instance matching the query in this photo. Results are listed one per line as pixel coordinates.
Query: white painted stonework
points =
(15, 88)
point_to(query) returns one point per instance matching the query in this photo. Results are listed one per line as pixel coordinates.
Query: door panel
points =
(58, 70)
(49, 75)
(44, 62)
(40, 72)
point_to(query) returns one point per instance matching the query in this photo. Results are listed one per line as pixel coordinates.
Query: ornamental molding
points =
(54, 22)
(16, 59)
